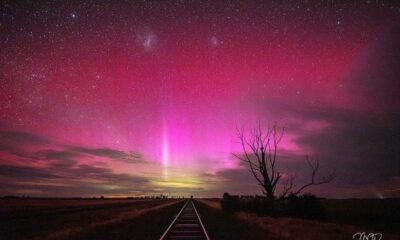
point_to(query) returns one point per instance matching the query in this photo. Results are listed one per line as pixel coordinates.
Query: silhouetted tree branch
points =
(259, 153)
(314, 165)
(287, 186)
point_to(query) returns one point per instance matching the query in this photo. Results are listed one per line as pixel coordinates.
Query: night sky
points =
(129, 98)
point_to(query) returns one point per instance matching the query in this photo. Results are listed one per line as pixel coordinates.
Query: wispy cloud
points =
(47, 167)
(130, 157)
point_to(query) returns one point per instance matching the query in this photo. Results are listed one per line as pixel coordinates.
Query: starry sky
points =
(131, 98)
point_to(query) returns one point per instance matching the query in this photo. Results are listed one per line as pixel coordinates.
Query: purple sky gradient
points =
(120, 98)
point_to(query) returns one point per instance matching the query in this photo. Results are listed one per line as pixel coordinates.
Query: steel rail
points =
(187, 224)
(201, 222)
(173, 221)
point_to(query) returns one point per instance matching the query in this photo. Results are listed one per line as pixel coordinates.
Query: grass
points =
(147, 219)
(376, 214)
(150, 225)
(292, 228)
(222, 226)
(61, 219)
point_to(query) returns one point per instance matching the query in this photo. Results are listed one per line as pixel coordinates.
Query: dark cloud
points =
(234, 181)
(129, 157)
(81, 180)
(25, 173)
(241, 180)
(16, 143)
(19, 137)
(363, 148)
(361, 142)
(59, 157)
(375, 81)
(82, 189)
(105, 174)
(73, 173)
(62, 172)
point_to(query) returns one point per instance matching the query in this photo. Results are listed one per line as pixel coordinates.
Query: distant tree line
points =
(305, 206)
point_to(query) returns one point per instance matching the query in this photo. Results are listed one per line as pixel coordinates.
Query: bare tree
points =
(260, 152)
(260, 155)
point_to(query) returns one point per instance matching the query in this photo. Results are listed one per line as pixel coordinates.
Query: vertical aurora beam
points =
(165, 150)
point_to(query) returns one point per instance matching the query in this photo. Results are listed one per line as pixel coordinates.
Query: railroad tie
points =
(186, 225)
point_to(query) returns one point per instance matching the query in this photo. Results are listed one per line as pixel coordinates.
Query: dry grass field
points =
(73, 218)
(147, 219)
(377, 214)
(345, 218)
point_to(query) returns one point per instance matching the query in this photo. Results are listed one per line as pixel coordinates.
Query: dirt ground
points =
(291, 228)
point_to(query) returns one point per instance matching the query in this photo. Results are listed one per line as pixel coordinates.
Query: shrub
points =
(230, 203)
(305, 206)
(257, 204)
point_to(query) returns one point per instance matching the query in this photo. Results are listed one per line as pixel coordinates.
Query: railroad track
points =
(187, 224)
